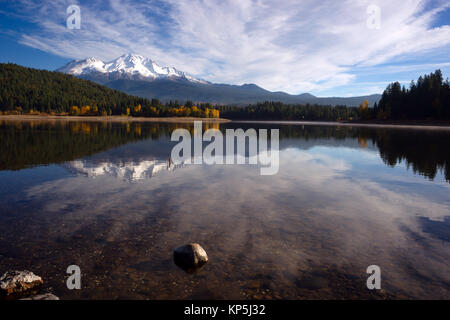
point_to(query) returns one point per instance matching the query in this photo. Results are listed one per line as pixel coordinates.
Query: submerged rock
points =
(46, 296)
(18, 284)
(190, 257)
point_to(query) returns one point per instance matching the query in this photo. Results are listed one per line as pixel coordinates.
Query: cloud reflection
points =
(314, 211)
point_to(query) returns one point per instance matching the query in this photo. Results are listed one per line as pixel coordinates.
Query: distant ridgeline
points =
(31, 91)
(428, 98)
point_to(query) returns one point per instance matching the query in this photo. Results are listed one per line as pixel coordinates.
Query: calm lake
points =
(104, 196)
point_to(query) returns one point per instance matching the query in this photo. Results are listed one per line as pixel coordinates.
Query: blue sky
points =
(327, 47)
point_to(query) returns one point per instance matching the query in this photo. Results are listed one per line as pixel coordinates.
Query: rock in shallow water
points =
(190, 257)
(17, 284)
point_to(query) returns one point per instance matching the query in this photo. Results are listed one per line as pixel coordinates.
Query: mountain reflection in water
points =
(131, 171)
(27, 144)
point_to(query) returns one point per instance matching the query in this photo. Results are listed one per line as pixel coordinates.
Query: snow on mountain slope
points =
(78, 67)
(127, 66)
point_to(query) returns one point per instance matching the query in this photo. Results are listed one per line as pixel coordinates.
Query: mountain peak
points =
(92, 59)
(306, 95)
(127, 66)
(129, 54)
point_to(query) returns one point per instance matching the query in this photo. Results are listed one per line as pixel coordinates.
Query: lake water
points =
(105, 197)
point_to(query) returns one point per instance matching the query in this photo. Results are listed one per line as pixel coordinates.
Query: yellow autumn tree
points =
(196, 112)
(215, 113)
(137, 109)
(154, 111)
(364, 112)
(85, 110)
(74, 111)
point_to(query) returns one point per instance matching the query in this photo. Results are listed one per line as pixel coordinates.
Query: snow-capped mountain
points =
(127, 66)
(143, 77)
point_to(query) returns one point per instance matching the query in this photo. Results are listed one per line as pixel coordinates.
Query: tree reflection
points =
(30, 143)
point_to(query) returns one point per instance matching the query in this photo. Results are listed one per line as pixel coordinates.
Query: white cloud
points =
(280, 45)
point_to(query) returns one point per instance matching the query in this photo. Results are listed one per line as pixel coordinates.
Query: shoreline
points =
(423, 125)
(111, 119)
(390, 125)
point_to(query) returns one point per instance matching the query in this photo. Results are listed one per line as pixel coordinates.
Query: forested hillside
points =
(27, 90)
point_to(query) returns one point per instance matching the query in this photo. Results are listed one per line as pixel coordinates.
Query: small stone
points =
(190, 257)
(18, 284)
(46, 296)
